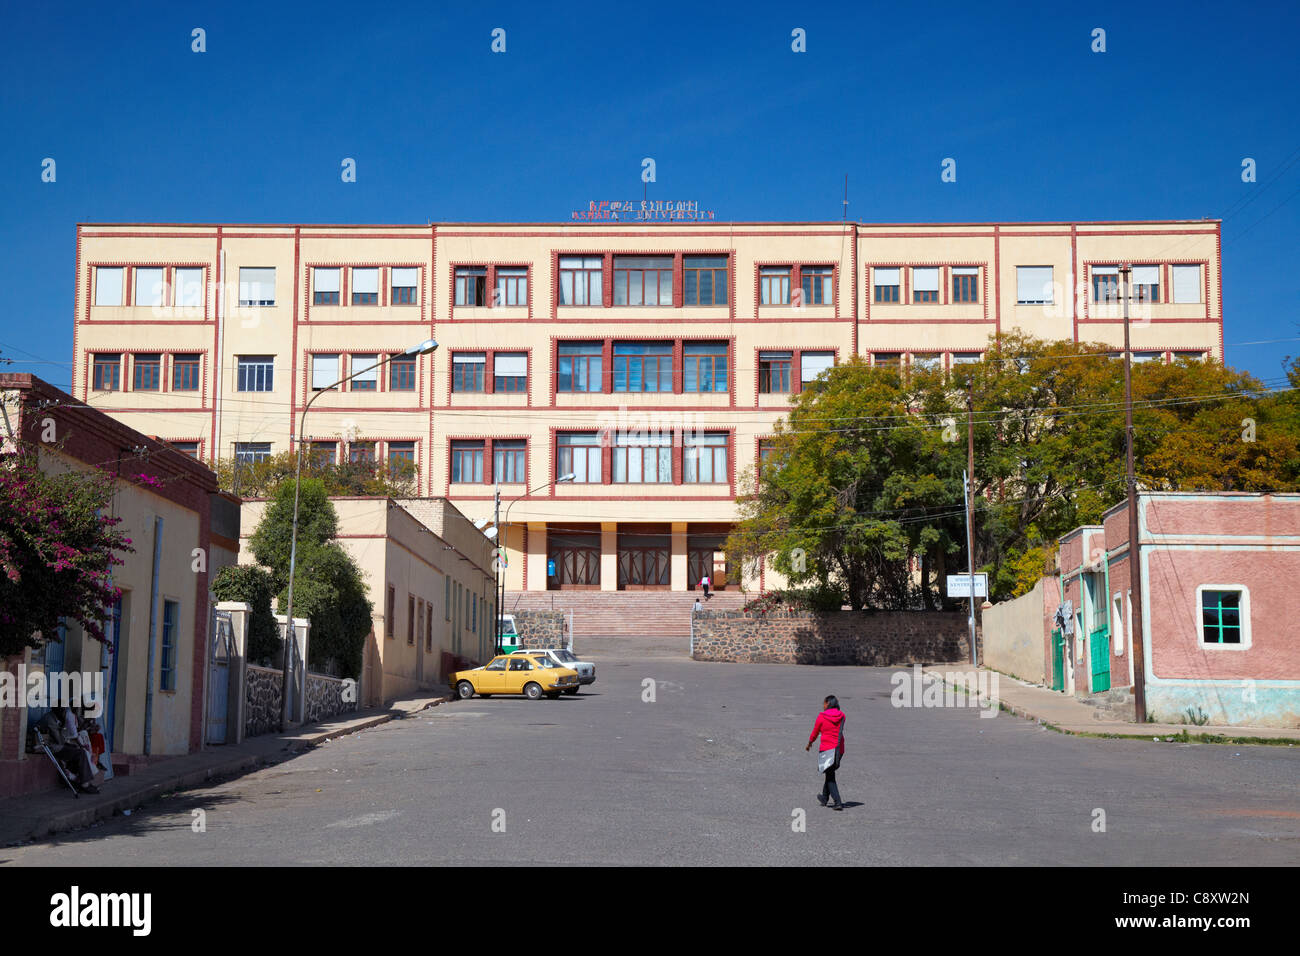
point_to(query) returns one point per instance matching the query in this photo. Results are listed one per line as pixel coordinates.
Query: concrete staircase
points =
(615, 614)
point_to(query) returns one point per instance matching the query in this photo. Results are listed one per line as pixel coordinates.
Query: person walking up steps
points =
(830, 725)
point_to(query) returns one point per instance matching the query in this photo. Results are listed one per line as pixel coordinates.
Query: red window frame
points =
(784, 365)
(765, 281)
(100, 365)
(583, 275)
(644, 272)
(476, 453)
(185, 373)
(466, 277)
(146, 372)
(401, 374)
(966, 288)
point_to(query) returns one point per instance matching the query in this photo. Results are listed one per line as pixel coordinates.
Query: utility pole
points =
(1134, 548)
(968, 479)
(496, 567)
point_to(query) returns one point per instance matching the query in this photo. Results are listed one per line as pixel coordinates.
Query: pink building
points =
(1220, 637)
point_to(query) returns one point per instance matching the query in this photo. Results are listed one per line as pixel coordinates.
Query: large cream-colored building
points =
(649, 360)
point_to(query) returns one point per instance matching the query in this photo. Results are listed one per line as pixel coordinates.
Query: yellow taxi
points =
(529, 674)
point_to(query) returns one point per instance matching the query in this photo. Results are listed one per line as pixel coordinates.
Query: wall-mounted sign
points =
(642, 210)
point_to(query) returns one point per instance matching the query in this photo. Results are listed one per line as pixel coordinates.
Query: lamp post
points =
(501, 535)
(424, 348)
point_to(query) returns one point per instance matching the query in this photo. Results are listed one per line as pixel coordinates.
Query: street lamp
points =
(501, 579)
(424, 348)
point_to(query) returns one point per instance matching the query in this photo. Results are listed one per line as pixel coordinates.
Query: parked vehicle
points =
(566, 658)
(509, 634)
(532, 675)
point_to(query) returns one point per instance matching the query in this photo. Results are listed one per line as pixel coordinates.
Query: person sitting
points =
(68, 750)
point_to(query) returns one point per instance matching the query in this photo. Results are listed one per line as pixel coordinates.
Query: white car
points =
(566, 658)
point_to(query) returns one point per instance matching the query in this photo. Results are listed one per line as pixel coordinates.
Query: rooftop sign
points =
(643, 210)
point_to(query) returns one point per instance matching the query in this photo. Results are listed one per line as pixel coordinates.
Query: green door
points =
(1099, 652)
(1058, 660)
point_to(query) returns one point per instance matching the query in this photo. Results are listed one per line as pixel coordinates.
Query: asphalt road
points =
(714, 771)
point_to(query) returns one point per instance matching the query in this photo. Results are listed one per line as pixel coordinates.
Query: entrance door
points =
(223, 640)
(1058, 660)
(644, 561)
(1099, 653)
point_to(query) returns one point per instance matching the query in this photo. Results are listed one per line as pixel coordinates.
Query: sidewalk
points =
(1066, 713)
(33, 816)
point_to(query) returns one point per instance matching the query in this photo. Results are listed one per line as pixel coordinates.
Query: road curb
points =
(77, 817)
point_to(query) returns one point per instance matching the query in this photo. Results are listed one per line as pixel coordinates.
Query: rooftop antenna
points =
(845, 202)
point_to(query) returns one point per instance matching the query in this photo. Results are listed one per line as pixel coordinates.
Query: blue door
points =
(219, 677)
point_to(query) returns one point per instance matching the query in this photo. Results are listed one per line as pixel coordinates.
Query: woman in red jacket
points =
(830, 724)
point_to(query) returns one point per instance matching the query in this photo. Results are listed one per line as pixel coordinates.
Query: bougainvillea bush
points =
(59, 542)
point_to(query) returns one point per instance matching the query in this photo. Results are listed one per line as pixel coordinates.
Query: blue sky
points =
(254, 129)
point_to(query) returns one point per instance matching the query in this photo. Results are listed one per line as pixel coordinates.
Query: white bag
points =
(825, 760)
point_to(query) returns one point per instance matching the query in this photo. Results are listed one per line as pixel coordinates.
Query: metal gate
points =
(223, 639)
(1099, 653)
(1058, 660)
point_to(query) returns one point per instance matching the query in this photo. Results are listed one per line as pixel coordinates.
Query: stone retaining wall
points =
(864, 638)
(542, 628)
(261, 700)
(325, 697)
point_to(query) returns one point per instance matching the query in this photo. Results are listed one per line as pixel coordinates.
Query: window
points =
(886, 281)
(323, 453)
(512, 287)
(705, 280)
(256, 286)
(325, 286)
(509, 372)
(251, 452)
(468, 371)
(705, 458)
(1033, 285)
(925, 285)
(149, 287)
(579, 454)
(473, 618)
(1187, 283)
(401, 374)
(390, 614)
(365, 286)
(170, 636)
(774, 285)
(324, 372)
(256, 373)
(927, 361)
(428, 627)
(965, 284)
(471, 285)
(446, 598)
(581, 280)
(579, 367)
(410, 619)
(361, 452)
(766, 449)
(401, 458)
(640, 458)
(107, 370)
(817, 286)
(508, 461)
(1224, 615)
(888, 359)
(187, 288)
(190, 448)
(366, 369)
(813, 364)
(774, 372)
(404, 285)
(419, 621)
(108, 285)
(467, 461)
(643, 280)
(965, 358)
(1105, 283)
(706, 367)
(185, 373)
(147, 372)
(643, 367)
(1140, 357)
(1146, 283)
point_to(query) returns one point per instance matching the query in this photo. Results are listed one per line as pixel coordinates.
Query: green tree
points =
(254, 586)
(366, 478)
(328, 586)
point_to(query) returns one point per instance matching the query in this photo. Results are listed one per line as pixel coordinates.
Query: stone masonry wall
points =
(864, 638)
(261, 700)
(541, 628)
(325, 697)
